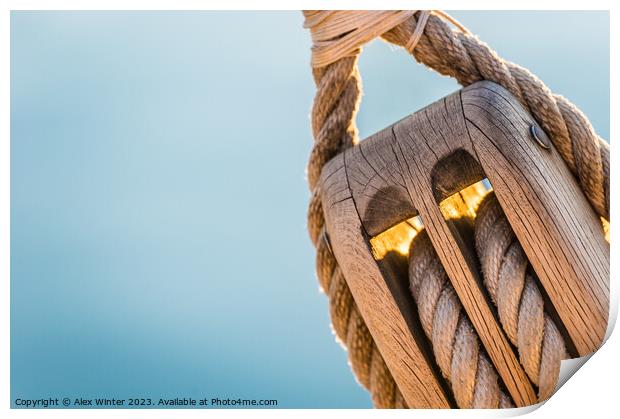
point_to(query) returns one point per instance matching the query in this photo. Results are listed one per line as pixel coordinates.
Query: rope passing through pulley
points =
(440, 42)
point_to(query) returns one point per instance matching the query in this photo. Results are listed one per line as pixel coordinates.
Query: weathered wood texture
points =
(391, 323)
(406, 170)
(554, 223)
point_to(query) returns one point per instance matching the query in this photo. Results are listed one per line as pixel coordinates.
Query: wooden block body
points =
(406, 170)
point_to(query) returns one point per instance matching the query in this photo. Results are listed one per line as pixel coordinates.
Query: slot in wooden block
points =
(406, 170)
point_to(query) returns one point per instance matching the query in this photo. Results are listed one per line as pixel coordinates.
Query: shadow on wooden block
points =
(406, 170)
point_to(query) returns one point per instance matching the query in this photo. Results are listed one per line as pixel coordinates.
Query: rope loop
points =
(441, 43)
(342, 33)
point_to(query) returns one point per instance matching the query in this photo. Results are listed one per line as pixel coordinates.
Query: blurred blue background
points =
(158, 194)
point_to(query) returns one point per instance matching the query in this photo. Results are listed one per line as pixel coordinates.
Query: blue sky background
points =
(158, 194)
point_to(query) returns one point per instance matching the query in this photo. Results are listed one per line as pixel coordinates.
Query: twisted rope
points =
(455, 53)
(517, 297)
(457, 349)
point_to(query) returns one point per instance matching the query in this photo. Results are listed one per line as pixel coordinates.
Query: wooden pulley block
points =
(407, 170)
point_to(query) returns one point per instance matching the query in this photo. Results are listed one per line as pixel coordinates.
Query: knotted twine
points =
(337, 40)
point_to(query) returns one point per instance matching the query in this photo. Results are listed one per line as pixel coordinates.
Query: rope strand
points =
(517, 297)
(457, 349)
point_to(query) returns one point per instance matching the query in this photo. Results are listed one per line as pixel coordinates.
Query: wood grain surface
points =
(407, 170)
(390, 317)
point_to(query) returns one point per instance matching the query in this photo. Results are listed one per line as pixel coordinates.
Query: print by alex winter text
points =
(144, 402)
(159, 250)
